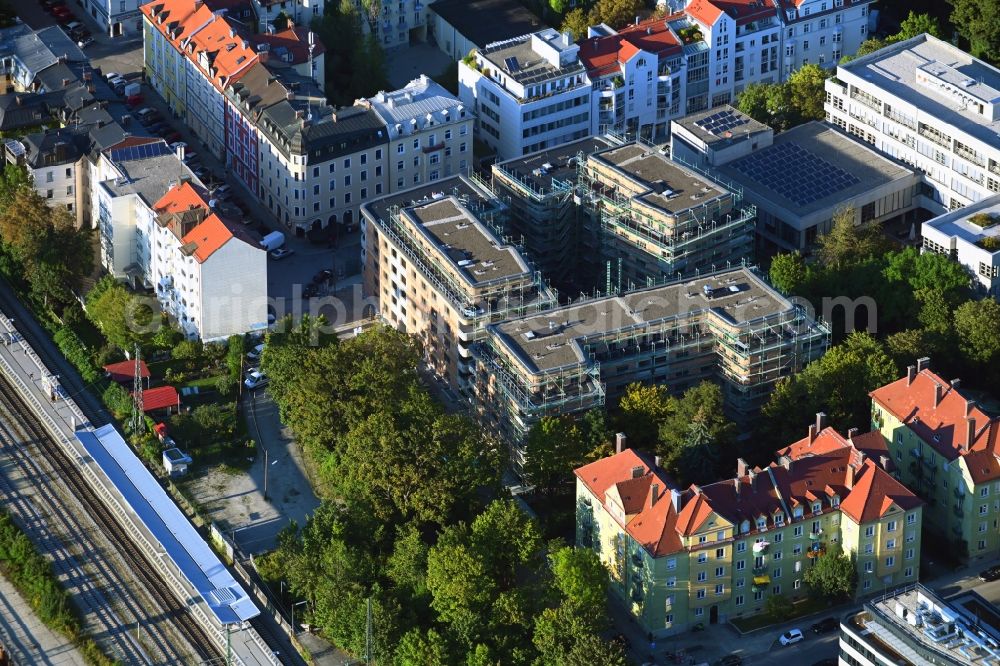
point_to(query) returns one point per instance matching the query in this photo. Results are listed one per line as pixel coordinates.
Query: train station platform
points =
(183, 558)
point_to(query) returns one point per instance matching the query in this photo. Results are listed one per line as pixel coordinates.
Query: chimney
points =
(741, 467)
(911, 372)
(180, 153)
(938, 393)
(65, 82)
(675, 499)
(812, 433)
(970, 433)
(851, 433)
(969, 404)
(289, 95)
(126, 121)
(638, 471)
(923, 363)
(657, 463)
(654, 494)
(820, 422)
(786, 462)
(883, 462)
(637, 19)
(753, 481)
(620, 442)
(736, 485)
(849, 481)
(955, 383)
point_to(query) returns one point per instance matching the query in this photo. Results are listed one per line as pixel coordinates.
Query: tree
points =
(834, 575)
(461, 587)
(419, 648)
(188, 350)
(616, 13)
(846, 242)
(581, 579)
(977, 324)
(978, 21)
(837, 383)
(13, 179)
(915, 24)
(555, 447)
(122, 317)
(557, 6)
(641, 411)
(808, 92)
(778, 607)
(281, 21)
(695, 433)
(788, 272)
(753, 102)
(927, 272)
(576, 22)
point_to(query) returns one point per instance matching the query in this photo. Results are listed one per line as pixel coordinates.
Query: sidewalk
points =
(26, 638)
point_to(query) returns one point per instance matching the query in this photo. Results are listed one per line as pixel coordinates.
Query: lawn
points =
(800, 608)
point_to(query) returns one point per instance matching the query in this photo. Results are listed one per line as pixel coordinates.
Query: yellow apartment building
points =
(707, 554)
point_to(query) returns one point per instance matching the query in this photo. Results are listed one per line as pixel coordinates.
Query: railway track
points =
(170, 609)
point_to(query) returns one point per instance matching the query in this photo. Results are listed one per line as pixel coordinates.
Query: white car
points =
(256, 379)
(790, 637)
(254, 354)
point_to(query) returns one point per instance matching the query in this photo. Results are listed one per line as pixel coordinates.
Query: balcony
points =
(815, 536)
(760, 547)
(957, 510)
(758, 571)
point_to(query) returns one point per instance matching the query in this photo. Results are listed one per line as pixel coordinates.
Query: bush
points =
(225, 385)
(234, 356)
(75, 351)
(118, 400)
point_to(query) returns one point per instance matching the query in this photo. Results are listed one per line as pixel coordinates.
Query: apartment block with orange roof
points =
(707, 554)
(948, 451)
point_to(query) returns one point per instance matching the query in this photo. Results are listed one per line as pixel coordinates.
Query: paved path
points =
(26, 638)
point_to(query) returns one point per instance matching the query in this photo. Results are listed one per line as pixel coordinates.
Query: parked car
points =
(991, 574)
(72, 27)
(791, 637)
(134, 100)
(201, 173)
(255, 379)
(281, 253)
(191, 156)
(112, 75)
(730, 660)
(158, 128)
(254, 354)
(222, 192)
(825, 625)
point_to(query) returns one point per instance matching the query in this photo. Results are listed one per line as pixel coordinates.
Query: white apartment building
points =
(928, 104)
(528, 93)
(971, 236)
(119, 18)
(301, 12)
(429, 130)
(157, 231)
(398, 22)
(209, 274)
(821, 31)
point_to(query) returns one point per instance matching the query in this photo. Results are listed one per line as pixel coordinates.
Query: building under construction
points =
(728, 326)
(603, 215)
(435, 259)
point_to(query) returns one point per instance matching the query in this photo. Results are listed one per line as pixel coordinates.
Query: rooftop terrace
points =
(719, 127)
(554, 339)
(672, 188)
(972, 224)
(477, 254)
(538, 171)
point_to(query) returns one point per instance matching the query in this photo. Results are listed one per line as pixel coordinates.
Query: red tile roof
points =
(124, 371)
(180, 198)
(942, 424)
(874, 492)
(209, 236)
(707, 12)
(295, 39)
(161, 397)
(605, 55)
(830, 467)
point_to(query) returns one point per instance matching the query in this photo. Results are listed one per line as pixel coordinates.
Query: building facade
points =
(715, 552)
(970, 236)
(528, 93)
(429, 131)
(395, 23)
(822, 31)
(946, 450)
(930, 105)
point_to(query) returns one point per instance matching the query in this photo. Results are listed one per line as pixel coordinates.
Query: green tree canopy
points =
(806, 85)
(978, 21)
(122, 317)
(847, 243)
(788, 272)
(915, 24)
(641, 411)
(696, 434)
(576, 21)
(834, 575)
(977, 324)
(557, 445)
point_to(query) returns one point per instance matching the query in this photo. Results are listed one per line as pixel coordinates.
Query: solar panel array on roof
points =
(511, 64)
(721, 122)
(795, 173)
(141, 152)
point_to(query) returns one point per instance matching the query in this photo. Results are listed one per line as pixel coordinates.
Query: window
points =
(776, 589)
(891, 560)
(762, 523)
(400, 149)
(739, 599)
(870, 531)
(982, 527)
(869, 567)
(741, 547)
(982, 545)
(797, 584)
(778, 537)
(741, 582)
(720, 589)
(909, 553)
(347, 181)
(867, 585)
(669, 620)
(817, 507)
(797, 550)
(702, 557)
(757, 596)
(891, 526)
(672, 563)
(702, 538)
(347, 198)
(720, 553)
(777, 573)
(797, 531)
(416, 144)
(720, 572)
(672, 581)
(908, 572)
(741, 565)
(347, 162)
(700, 595)
(702, 576)
(869, 549)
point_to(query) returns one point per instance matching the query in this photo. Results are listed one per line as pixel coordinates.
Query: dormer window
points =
(762, 523)
(835, 501)
(797, 512)
(791, 14)
(744, 527)
(779, 519)
(817, 507)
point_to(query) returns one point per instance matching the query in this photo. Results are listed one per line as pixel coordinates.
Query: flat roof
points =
(225, 598)
(554, 338)
(672, 187)
(483, 22)
(530, 67)
(149, 177)
(472, 249)
(920, 626)
(956, 222)
(719, 127)
(539, 169)
(812, 167)
(894, 70)
(474, 197)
